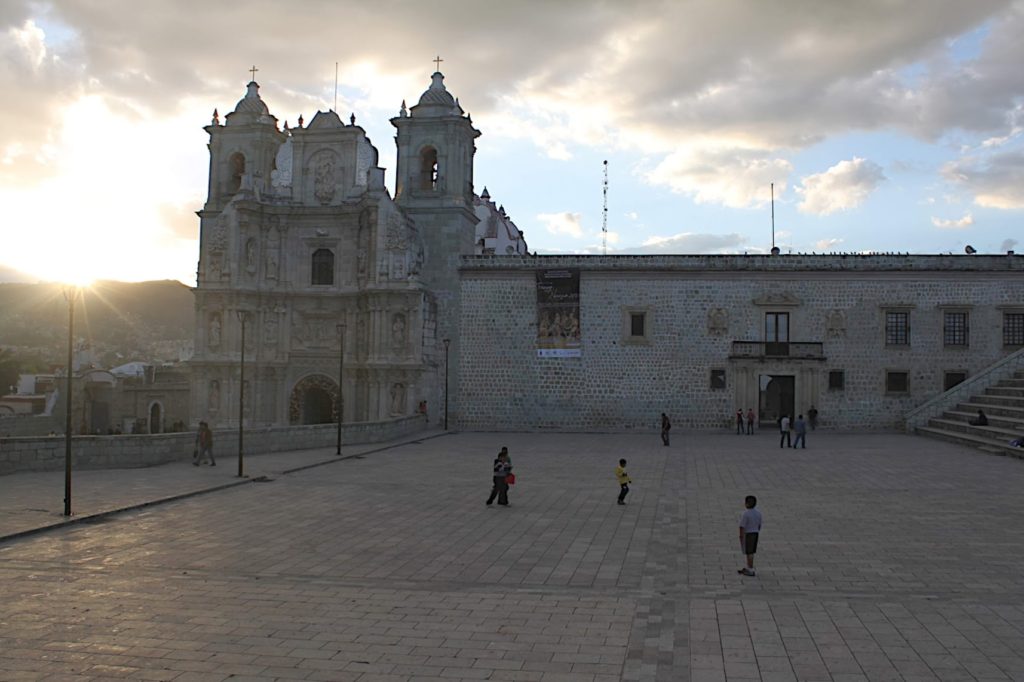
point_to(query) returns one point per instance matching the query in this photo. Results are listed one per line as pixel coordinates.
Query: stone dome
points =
(436, 100)
(252, 103)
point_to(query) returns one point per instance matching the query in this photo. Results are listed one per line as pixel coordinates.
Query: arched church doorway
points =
(155, 419)
(778, 394)
(314, 400)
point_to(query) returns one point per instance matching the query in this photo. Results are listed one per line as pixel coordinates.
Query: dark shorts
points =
(750, 543)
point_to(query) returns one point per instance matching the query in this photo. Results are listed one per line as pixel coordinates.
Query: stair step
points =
(998, 420)
(986, 444)
(986, 399)
(994, 432)
(1006, 411)
(1005, 390)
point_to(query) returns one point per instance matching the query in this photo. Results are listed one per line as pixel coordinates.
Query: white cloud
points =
(827, 244)
(690, 242)
(738, 178)
(953, 224)
(563, 223)
(844, 186)
(996, 180)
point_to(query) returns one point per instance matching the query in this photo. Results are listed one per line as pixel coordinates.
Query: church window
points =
(323, 267)
(1013, 329)
(951, 379)
(897, 328)
(428, 169)
(836, 380)
(718, 379)
(897, 381)
(954, 329)
(236, 166)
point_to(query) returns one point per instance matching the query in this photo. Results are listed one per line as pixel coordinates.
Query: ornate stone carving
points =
(251, 256)
(323, 164)
(836, 323)
(398, 332)
(777, 299)
(297, 401)
(270, 330)
(718, 322)
(396, 238)
(273, 248)
(397, 399)
(314, 332)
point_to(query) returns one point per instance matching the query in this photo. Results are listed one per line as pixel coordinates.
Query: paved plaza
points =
(883, 557)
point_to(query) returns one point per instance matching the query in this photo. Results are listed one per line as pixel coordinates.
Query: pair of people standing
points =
(502, 474)
(785, 428)
(750, 421)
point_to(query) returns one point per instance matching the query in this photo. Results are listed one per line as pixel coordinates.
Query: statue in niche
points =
(214, 395)
(398, 267)
(398, 330)
(398, 399)
(323, 177)
(213, 339)
(250, 256)
(836, 323)
(273, 249)
(718, 321)
(270, 331)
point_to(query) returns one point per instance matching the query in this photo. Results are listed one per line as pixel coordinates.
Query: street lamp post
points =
(447, 342)
(341, 378)
(70, 295)
(241, 398)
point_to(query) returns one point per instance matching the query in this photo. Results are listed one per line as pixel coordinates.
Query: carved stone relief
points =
(397, 399)
(324, 164)
(718, 322)
(214, 396)
(836, 323)
(398, 333)
(396, 238)
(251, 256)
(273, 249)
(214, 329)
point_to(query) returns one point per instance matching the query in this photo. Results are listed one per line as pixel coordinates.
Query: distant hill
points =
(122, 317)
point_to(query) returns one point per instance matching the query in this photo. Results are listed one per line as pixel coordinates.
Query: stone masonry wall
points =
(109, 452)
(620, 384)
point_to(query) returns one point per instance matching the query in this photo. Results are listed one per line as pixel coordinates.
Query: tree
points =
(10, 368)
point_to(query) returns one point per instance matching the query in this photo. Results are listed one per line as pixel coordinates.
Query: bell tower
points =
(242, 151)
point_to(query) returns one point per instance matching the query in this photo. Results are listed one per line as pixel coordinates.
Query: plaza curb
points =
(91, 518)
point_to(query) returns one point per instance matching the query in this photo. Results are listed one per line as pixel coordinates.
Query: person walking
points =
(739, 422)
(801, 432)
(750, 530)
(666, 426)
(784, 431)
(204, 445)
(812, 417)
(750, 421)
(624, 480)
(502, 469)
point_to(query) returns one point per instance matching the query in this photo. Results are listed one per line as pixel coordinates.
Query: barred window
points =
(637, 324)
(897, 328)
(897, 382)
(836, 380)
(1013, 329)
(717, 379)
(323, 267)
(954, 329)
(951, 379)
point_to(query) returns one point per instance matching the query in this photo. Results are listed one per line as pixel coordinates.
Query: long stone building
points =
(429, 300)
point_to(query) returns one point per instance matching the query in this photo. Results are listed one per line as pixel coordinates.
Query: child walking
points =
(750, 528)
(624, 480)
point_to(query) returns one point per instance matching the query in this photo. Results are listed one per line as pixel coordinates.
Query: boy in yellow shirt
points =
(624, 480)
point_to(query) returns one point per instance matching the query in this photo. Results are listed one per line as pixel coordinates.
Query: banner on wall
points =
(558, 314)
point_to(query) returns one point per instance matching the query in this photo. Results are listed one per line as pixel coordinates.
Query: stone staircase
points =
(1003, 404)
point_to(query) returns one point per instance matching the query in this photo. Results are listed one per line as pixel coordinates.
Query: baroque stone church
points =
(306, 256)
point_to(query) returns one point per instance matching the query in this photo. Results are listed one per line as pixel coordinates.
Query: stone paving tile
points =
(884, 557)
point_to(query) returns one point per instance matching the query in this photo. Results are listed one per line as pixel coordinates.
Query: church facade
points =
(350, 303)
(343, 300)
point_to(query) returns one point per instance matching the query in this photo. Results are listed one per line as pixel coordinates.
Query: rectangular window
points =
(897, 328)
(951, 379)
(897, 382)
(636, 324)
(836, 380)
(717, 379)
(776, 334)
(1013, 329)
(954, 329)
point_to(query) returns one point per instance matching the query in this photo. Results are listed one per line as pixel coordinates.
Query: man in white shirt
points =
(784, 431)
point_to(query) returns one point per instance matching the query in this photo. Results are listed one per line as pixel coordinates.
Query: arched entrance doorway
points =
(314, 400)
(155, 418)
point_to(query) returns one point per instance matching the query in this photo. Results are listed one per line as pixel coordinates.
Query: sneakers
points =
(621, 502)
(746, 571)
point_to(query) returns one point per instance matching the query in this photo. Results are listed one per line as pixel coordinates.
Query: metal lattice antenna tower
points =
(604, 215)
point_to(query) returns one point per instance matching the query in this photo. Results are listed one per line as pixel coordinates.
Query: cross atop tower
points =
(437, 62)
(253, 71)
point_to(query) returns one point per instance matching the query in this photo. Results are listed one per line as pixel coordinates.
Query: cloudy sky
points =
(885, 125)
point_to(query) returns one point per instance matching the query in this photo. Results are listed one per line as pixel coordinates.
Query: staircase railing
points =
(1001, 369)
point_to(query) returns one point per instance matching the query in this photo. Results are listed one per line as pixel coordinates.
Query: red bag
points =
(510, 478)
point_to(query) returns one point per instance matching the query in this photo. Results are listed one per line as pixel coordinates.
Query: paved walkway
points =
(884, 557)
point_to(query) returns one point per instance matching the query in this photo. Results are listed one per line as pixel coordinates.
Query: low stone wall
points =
(110, 452)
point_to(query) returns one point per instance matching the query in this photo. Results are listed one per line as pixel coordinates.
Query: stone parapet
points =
(115, 452)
